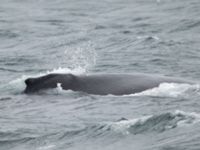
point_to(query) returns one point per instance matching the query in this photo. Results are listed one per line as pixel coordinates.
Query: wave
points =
(146, 124)
(111, 130)
(156, 123)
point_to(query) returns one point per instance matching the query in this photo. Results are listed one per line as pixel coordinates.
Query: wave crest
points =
(156, 123)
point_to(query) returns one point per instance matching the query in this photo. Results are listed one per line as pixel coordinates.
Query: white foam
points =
(123, 125)
(46, 147)
(57, 91)
(78, 70)
(190, 117)
(59, 87)
(168, 90)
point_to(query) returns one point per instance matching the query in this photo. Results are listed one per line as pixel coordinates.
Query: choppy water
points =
(42, 36)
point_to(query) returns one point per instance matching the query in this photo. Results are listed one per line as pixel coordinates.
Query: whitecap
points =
(168, 90)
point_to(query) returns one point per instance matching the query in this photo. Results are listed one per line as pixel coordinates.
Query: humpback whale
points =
(100, 84)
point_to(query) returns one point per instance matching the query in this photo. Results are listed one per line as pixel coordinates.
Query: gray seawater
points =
(38, 37)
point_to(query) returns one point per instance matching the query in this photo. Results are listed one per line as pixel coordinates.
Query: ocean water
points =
(38, 37)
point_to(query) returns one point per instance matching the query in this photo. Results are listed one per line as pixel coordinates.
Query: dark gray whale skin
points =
(100, 84)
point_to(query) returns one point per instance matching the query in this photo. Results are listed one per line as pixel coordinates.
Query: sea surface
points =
(38, 37)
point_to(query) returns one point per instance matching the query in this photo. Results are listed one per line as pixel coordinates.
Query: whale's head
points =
(36, 84)
(49, 81)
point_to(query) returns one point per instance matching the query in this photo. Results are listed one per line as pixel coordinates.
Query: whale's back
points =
(119, 84)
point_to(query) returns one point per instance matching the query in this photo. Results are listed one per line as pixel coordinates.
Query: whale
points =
(100, 84)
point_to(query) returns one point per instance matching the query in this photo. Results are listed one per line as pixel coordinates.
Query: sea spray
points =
(80, 57)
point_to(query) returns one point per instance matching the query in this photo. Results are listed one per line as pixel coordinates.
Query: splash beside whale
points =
(100, 84)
